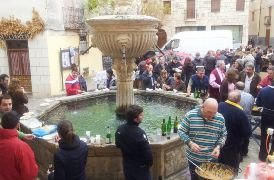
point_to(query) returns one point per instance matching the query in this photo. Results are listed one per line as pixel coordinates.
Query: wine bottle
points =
(163, 128)
(175, 127)
(108, 137)
(169, 126)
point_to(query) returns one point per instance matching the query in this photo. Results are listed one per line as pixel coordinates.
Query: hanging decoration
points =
(13, 28)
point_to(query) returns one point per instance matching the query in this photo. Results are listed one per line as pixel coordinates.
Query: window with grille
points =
(190, 14)
(240, 5)
(167, 7)
(215, 5)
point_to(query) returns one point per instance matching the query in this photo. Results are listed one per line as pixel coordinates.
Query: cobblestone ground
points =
(252, 156)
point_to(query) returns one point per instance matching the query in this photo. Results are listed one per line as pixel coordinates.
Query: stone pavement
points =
(34, 105)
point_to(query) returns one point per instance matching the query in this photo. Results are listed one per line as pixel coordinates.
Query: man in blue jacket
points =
(265, 100)
(238, 128)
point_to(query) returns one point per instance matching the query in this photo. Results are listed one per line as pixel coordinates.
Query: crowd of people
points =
(218, 130)
(229, 82)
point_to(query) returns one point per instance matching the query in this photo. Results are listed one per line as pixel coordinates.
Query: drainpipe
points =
(259, 21)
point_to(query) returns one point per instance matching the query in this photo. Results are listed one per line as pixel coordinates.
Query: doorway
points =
(19, 64)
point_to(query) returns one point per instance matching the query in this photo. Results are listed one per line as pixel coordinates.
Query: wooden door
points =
(267, 37)
(19, 66)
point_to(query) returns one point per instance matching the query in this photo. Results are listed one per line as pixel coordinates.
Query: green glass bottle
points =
(163, 127)
(168, 127)
(175, 127)
(199, 94)
(108, 137)
(195, 93)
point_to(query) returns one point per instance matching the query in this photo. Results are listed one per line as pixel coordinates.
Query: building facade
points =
(42, 63)
(199, 15)
(261, 22)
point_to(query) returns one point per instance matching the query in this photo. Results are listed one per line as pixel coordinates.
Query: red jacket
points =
(72, 85)
(17, 160)
(265, 81)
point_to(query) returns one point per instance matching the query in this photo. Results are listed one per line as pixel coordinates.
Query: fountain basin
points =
(104, 160)
(136, 32)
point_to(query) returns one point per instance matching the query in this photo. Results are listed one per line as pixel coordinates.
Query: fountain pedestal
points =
(124, 72)
(123, 37)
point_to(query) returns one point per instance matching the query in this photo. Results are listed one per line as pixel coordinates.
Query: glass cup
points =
(88, 136)
(88, 133)
(98, 139)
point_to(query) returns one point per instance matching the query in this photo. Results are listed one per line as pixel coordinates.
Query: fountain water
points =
(123, 37)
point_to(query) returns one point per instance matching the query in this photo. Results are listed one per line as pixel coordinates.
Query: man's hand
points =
(216, 152)
(56, 138)
(29, 137)
(80, 91)
(194, 147)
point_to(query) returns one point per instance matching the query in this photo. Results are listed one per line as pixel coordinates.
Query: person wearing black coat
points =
(238, 128)
(71, 158)
(148, 79)
(265, 100)
(134, 145)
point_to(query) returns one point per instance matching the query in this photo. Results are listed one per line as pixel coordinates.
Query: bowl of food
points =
(215, 171)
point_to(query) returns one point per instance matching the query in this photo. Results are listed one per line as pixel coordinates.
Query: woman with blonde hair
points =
(19, 98)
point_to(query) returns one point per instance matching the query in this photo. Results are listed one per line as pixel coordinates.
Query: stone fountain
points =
(123, 37)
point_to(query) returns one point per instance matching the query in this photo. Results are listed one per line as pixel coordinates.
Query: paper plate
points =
(50, 136)
(25, 117)
(44, 104)
(31, 123)
(83, 139)
(28, 114)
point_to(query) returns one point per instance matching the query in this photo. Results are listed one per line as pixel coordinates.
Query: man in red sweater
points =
(267, 80)
(17, 160)
(72, 83)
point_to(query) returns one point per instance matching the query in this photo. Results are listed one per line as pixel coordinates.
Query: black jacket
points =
(236, 123)
(254, 83)
(70, 160)
(134, 145)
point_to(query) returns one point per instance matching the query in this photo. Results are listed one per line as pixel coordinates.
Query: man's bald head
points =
(209, 108)
(234, 96)
(240, 85)
(211, 102)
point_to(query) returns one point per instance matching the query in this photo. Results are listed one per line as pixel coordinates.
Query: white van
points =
(200, 41)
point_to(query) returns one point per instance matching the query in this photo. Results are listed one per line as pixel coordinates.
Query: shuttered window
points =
(240, 5)
(215, 5)
(190, 14)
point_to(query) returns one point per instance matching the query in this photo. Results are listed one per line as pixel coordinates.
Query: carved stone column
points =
(124, 69)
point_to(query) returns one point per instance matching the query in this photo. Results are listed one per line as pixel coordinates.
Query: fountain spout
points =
(124, 53)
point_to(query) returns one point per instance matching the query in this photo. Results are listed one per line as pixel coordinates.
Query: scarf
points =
(234, 104)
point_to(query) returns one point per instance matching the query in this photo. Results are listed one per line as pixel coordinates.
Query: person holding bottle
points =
(199, 81)
(134, 145)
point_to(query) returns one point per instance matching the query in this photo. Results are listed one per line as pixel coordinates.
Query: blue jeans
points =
(257, 68)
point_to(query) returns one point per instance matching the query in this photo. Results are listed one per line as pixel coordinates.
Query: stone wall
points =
(259, 9)
(105, 161)
(227, 16)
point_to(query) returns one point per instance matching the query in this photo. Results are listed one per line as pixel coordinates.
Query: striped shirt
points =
(207, 134)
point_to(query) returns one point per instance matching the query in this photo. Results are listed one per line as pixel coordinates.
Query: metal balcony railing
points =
(191, 15)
